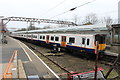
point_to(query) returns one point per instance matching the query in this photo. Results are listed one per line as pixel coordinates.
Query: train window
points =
(40, 37)
(71, 40)
(35, 36)
(56, 38)
(43, 37)
(47, 37)
(83, 40)
(100, 38)
(63, 38)
(52, 38)
(88, 41)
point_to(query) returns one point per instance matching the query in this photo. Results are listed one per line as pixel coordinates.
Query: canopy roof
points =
(98, 27)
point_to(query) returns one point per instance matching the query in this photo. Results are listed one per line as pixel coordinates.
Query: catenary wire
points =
(51, 9)
(72, 9)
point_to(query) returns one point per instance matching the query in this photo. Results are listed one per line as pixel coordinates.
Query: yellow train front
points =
(101, 46)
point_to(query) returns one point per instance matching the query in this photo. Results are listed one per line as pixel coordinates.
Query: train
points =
(77, 43)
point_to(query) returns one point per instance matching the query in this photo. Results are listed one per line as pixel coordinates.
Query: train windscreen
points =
(100, 38)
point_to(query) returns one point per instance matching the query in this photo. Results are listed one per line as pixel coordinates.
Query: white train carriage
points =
(80, 42)
(73, 41)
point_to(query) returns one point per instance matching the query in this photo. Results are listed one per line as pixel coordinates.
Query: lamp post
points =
(96, 61)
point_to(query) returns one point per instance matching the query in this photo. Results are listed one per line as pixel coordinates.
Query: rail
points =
(8, 72)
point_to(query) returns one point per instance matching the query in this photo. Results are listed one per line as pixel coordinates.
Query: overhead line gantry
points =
(24, 19)
(38, 20)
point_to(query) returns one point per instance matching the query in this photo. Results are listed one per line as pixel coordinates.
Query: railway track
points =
(67, 72)
(106, 60)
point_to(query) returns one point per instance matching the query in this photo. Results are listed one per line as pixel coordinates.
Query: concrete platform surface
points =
(32, 64)
(7, 51)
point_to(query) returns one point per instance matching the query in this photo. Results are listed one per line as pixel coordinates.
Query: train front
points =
(100, 38)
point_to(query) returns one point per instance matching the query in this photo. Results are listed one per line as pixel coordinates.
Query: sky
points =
(48, 9)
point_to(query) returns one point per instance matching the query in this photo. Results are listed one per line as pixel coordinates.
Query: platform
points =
(32, 64)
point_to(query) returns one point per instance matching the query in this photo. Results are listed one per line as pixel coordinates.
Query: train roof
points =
(72, 28)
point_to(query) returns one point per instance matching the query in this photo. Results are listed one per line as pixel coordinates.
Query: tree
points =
(90, 19)
(108, 20)
(31, 26)
(76, 19)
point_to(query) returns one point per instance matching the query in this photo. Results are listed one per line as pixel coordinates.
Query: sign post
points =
(96, 62)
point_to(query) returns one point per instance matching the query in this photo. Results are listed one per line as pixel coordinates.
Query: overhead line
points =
(53, 7)
(72, 9)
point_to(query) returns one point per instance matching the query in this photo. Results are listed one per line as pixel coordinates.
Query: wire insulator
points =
(73, 9)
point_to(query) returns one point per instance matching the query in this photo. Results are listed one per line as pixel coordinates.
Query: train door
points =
(47, 39)
(84, 42)
(87, 43)
(63, 42)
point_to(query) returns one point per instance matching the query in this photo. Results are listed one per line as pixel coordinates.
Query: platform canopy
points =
(97, 27)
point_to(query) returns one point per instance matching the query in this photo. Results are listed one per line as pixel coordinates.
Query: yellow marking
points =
(101, 47)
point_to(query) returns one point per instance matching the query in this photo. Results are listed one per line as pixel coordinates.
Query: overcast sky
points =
(49, 8)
